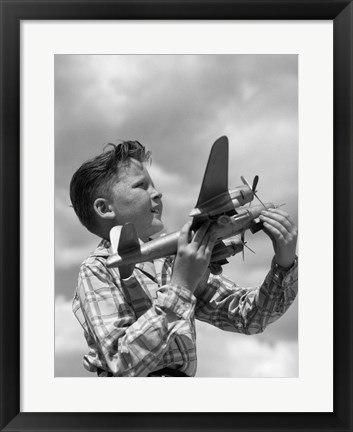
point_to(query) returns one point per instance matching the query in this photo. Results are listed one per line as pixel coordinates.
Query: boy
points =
(144, 324)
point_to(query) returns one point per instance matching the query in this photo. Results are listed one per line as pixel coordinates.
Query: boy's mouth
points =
(156, 210)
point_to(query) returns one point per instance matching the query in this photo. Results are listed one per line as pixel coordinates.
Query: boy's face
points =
(134, 199)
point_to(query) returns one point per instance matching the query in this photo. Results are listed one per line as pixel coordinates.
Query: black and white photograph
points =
(176, 215)
(192, 161)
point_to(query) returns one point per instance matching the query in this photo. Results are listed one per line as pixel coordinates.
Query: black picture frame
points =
(12, 12)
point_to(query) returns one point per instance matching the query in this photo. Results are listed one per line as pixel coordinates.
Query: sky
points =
(177, 106)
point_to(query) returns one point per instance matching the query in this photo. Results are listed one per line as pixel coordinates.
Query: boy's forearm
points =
(177, 300)
(274, 297)
(278, 291)
(246, 310)
(140, 350)
(141, 346)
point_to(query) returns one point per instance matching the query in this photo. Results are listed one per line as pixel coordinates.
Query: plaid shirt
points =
(141, 324)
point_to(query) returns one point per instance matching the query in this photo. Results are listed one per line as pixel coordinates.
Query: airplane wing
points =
(215, 180)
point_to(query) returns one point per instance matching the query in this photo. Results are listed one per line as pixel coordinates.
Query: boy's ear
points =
(103, 208)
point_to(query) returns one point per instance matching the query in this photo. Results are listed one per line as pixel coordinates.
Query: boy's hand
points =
(193, 255)
(283, 232)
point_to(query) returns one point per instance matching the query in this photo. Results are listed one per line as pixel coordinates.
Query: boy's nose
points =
(156, 194)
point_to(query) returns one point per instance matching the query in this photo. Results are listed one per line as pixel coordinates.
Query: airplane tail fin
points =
(124, 241)
(215, 180)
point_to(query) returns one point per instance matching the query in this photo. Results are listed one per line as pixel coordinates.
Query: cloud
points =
(69, 334)
(234, 355)
(177, 104)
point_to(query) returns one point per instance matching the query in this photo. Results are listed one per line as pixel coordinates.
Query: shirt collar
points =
(104, 249)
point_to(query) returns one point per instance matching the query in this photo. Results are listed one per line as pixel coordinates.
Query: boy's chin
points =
(156, 229)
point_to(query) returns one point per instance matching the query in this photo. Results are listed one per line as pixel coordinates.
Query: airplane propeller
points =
(253, 187)
(244, 244)
(254, 183)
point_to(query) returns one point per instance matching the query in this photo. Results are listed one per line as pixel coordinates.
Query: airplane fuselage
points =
(167, 245)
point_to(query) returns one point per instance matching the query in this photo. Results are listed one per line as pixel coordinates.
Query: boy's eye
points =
(141, 184)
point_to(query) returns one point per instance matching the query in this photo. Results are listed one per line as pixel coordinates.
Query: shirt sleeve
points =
(130, 346)
(224, 304)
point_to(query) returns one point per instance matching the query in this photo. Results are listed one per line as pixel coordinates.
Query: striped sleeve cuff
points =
(284, 277)
(176, 299)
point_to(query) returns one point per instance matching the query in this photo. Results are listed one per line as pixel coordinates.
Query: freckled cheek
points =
(133, 204)
(136, 209)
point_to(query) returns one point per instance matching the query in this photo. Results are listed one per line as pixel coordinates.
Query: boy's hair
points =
(94, 178)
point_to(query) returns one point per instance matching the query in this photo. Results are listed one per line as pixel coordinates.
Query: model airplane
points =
(216, 203)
